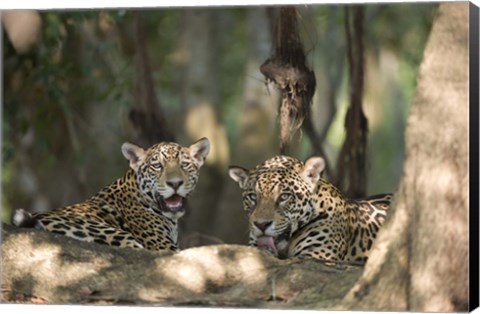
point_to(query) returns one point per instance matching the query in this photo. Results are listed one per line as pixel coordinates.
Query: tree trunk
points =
(257, 130)
(330, 69)
(146, 114)
(420, 260)
(200, 101)
(351, 174)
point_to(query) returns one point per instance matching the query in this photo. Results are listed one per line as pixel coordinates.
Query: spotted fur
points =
(139, 210)
(294, 211)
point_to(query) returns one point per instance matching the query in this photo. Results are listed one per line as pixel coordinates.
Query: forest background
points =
(93, 77)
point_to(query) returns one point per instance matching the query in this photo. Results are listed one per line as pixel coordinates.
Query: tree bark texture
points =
(420, 260)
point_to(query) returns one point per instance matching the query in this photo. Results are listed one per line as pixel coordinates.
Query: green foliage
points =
(233, 58)
(400, 27)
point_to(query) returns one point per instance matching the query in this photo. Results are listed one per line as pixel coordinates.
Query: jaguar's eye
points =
(251, 198)
(283, 197)
(156, 166)
(184, 164)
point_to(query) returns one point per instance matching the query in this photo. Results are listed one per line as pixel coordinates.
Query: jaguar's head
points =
(167, 173)
(277, 195)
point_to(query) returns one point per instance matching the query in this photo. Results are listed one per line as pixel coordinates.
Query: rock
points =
(55, 269)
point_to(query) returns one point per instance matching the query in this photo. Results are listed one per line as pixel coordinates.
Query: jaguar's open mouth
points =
(173, 204)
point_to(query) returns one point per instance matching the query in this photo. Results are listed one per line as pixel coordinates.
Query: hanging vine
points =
(286, 68)
(351, 165)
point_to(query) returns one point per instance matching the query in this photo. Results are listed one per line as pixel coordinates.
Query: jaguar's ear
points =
(199, 150)
(312, 170)
(239, 175)
(134, 154)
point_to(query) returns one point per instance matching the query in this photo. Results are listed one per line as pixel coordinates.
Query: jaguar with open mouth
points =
(140, 209)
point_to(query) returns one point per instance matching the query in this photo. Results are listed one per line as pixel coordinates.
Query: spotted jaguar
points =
(139, 210)
(295, 212)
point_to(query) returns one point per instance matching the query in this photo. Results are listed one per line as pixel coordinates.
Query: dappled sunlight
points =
(218, 275)
(48, 257)
(49, 270)
(383, 87)
(442, 181)
(187, 273)
(426, 282)
(22, 28)
(257, 128)
(252, 269)
(207, 77)
(201, 269)
(201, 121)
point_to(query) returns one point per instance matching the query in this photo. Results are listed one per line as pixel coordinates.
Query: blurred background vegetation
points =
(67, 102)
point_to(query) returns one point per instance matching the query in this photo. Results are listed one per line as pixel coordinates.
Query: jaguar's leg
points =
(87, 229)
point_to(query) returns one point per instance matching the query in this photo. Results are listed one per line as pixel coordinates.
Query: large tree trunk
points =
(420, 260)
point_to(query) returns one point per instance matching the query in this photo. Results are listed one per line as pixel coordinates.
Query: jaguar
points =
(293, 211)
(140, 209)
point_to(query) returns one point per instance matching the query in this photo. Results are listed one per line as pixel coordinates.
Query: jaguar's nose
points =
(263, 225)
(174, 184)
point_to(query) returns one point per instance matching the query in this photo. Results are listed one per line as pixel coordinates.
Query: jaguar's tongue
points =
(267, 242)
(174, 203)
